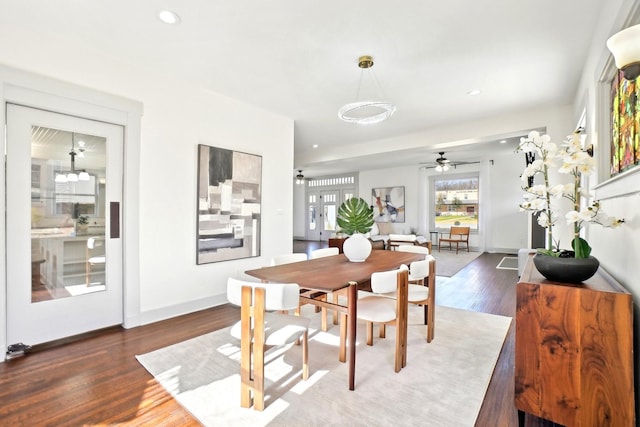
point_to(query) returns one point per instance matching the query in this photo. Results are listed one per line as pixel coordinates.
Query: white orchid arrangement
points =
(540, 198)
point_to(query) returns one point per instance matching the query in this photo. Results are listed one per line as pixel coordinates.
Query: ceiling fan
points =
(442, 164)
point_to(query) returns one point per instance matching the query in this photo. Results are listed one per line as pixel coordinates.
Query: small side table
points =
(431, 233)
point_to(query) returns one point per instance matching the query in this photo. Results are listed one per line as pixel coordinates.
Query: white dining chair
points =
(92, 258)
(287, 258)
(422, 290)
(413, 249)
(382, 310)
(260, 327)
(323, 252)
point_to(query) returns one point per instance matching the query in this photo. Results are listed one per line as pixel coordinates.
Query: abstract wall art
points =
(388, 204)
(229, 190)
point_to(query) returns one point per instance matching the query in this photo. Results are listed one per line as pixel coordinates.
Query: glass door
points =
(313, 216)
(64, 254)
(330, 203)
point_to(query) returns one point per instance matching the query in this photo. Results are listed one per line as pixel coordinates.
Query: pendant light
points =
(368, 111)
(73, 175)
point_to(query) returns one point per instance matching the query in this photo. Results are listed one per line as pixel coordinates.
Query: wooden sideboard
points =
(574, 351)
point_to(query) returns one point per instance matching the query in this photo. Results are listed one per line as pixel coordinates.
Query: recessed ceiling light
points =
(169, 17)
(504, 141)
(315, 145)
(473, 92)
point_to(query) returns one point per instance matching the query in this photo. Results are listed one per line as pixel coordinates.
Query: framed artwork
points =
(388, 204)
(229, 190)
(625, 124)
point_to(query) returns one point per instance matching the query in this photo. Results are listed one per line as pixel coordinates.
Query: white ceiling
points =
(298, 58)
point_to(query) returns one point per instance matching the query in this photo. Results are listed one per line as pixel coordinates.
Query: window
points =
(76, 198)
(456, 201)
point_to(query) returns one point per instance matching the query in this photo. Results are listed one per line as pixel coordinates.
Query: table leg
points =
(352, 318)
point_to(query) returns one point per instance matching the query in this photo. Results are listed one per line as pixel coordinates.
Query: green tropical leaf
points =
(355, 216)
(549, 252)
(581, 247)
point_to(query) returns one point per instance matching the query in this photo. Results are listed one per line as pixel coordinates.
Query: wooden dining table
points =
(317, 277)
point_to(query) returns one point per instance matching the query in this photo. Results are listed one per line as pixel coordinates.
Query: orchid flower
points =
(575, 161)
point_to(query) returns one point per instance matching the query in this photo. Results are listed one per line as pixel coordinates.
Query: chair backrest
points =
(288, 258)
(419, 269)
(402, 237)
(384, 282)
(461, 232)
(94, 242)
(414, 249)
(320, 253)
(279, 296)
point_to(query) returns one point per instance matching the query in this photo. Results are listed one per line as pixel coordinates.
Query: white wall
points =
(177, 117)
(617, 250)
(406, 177)
(502, 227)
(299, 212)
(175, 121)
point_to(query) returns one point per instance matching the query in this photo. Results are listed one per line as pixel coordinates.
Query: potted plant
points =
(82, 224)
(544, 199)
(355, 218)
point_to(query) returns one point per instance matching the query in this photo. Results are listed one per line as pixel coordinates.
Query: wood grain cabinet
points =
(574, 351)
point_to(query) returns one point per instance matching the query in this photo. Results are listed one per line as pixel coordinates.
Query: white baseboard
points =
(169, 312)
(502, 251)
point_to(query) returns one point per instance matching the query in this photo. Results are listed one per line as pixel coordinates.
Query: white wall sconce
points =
(625, 47)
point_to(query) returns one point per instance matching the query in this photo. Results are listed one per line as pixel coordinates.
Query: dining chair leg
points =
(258, 349)
(258, 380)
(342, 354)
(323, 319)
(246, 350)
(369, 333)
(402, 309)
(398, 356)
(245, 377)
(383, 330)
(431, 324)
(305, 355)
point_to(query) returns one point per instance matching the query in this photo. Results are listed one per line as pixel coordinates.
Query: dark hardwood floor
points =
(97, 380)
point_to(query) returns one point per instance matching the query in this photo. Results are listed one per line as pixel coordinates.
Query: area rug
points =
(443, 384)
(448, 263)
(508, 263)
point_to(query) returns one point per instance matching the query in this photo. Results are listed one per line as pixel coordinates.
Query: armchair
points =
(396, 240)
(456, 236)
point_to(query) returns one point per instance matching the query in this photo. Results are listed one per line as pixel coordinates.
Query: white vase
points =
(357, 248)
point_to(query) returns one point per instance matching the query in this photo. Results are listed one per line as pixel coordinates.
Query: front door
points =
(313, 216)
(64, 249)
(329, 212)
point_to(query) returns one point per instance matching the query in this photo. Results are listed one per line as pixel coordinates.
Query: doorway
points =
(64, 249)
